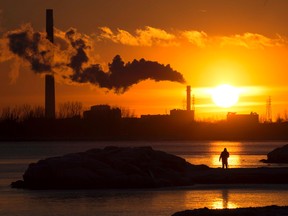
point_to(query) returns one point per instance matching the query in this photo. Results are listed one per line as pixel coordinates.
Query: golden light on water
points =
(233, 161)
(223, 201)
(214, 199)
(217, 147)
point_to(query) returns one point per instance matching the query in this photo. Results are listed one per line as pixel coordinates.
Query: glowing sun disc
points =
(225, 95)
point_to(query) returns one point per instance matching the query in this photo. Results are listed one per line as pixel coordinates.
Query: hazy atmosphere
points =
(147, 108)
(206, 43)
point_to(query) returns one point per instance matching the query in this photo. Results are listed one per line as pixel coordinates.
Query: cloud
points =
(247, 40)
(5, 54)
(252, 41)
(14, 70)
(196, 38)
(72, 59)
(148, 36)
(32, 47)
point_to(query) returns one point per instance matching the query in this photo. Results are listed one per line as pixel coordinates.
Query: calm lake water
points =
(15, 157)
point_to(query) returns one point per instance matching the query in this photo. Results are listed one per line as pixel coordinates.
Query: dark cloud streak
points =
(121, 76)
(28, 45)
(42, 55)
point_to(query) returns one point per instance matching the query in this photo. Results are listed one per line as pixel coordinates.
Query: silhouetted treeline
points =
(36, 127)
(22, 113)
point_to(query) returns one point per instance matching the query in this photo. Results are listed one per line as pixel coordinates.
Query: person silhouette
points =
(224, 156)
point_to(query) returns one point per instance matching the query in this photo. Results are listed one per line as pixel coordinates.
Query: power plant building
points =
(252, 118)
(102, 113)
(184, 115)
(177, 114)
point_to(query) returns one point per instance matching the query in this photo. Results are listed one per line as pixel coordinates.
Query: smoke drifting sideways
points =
(72, 59)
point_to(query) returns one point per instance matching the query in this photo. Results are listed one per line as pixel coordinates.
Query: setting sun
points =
(225, 95)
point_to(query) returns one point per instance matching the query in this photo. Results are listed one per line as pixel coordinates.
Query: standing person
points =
(224, 156)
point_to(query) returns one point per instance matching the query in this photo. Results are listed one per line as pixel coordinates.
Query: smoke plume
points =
(121, 76)
(32, 47)
(71, 58)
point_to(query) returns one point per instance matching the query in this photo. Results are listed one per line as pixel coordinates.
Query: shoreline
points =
(249, 211)
(261, 175)
(136, 167)
(206, 178)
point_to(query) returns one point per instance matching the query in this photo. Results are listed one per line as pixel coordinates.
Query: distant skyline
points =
(210, 42)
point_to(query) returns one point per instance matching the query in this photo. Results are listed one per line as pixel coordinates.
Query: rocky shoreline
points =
(138, 167)
(111, 167)
(278, 155)
(251, 211)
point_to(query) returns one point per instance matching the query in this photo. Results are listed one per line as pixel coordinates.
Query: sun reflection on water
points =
(223, 202)
(234, 161)
(213, 199)
(217, 147)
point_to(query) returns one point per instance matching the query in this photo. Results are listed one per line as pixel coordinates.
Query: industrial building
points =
(177, 114)
(233, 117)
(102, 113)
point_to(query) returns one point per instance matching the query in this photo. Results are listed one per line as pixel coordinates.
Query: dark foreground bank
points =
(252, 211)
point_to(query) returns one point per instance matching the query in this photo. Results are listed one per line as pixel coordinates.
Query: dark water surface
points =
(15, 157)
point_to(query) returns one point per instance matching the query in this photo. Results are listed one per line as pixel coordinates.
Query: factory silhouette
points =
(104, 112)
(103, 122)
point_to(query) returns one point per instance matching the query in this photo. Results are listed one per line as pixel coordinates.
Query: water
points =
(15, 157)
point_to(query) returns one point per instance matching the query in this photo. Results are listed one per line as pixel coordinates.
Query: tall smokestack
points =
(49, 79)
(188, 89)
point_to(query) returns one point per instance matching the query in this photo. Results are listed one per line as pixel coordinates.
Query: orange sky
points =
(242, 43)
